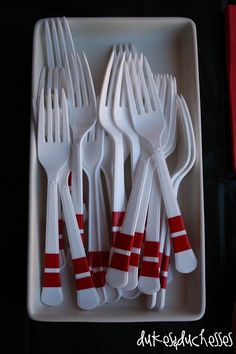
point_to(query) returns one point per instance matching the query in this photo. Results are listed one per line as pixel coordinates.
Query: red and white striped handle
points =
(149, 279)
(185, 260)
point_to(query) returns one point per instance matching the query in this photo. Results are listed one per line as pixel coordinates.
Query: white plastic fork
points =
(61, 51)
(87, 296)
(105, 118)
(149, 280)
(185, 162)
(148, 121)
(53, 152)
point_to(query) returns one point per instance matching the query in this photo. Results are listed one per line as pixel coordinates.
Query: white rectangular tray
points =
(170, 45)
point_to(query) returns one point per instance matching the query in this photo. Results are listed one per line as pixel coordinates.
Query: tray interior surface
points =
(170, 46)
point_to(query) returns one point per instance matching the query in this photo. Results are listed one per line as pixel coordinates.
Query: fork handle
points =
(77, 182)
(87, 297)
(117, 274)
(185, 260)
(149, 280)
(52, 291)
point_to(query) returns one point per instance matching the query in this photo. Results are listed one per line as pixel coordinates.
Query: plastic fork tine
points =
(62, 40)
(138, 93)
(49, 47)
(89, 81)
(133, 49)
(70, 92)
(41, 117)
(144, 87)
(49, 117)
(75, 80)
(55, 41)
(65, 118)
(49, 81)
(113, 77)
(55, 79)
(56, 117)
(118, 87)
(41, 86)
(129, 90)
(70, 43)
(83, 88)
(104, 91)
(151, 85)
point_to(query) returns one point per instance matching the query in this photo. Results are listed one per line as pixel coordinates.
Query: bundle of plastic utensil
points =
(114, 151)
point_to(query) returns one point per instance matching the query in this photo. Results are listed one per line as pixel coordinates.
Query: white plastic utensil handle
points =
(149, 279)
(52, 291)
(118, 200)
(139, 234)
(164, 273)
(185, 260)
(77, 183)
(94, 237)
(112, 294)
(87, 297)
(117, 274)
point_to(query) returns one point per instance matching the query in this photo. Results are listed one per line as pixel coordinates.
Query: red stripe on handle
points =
(98, 259)
(84, 283)
(52, 260)
(134, 259)
(80, 221)
(51, 280)
(163, 281)
(181, 243)
(150, 269)
(151, 249)
(138, 239)
(120, 261)
(176, 224)
(124, 241)
(165, 263)
(99, 279)
(117, 218)
(80, 265)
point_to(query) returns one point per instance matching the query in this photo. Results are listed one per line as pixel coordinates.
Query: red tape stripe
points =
(176, 224)
(84, 283)
(150, 269)
(134, 259)
(117, 218)
(181, 243)
(98, 259)
(151, 249)
(99, 279)
(124, 241)
(163, 281)
(52, 260)
(165, 263)
(138, 239)
(51, 280)
(80, 265)
(80, 221)
(120, 261)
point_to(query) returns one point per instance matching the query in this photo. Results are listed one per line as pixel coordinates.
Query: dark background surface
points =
(22, 335)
